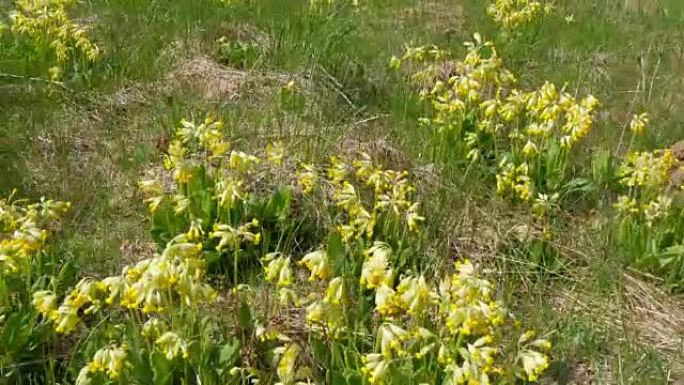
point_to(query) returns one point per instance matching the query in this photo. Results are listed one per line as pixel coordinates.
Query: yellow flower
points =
(229, 191)
(335, 292)
(512, 14)
(55, 74)
(83, 377)
(241, 162)
(195, 232)
(533, 363)
(375, 367)
(153, 328)
(338, 170)
(278, 270)
(315, 313)
(184, 171)
(530, 149)
(48, 22)
(172, 345)
(385, 300)
(131, 298)
(65, 319)
(515, 179)
(413, 218)
(275, 153)
(639, 123)
(109, 360)
(657, 208)
(375, 271)
(415, 296)
(390, 338)
(45, 302)
(317, 263)
(286, 370)
(395, 63)
(647, 169)
(346, 197)
(307, 178)
(233, 237)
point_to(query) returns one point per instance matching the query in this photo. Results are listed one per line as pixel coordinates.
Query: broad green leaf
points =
(229, 353)
(244, 316)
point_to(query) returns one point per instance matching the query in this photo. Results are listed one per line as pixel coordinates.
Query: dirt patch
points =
(244, 32)
(678, 150)
(649, 7)
(209, 79)
(441, 16)
(677, 173)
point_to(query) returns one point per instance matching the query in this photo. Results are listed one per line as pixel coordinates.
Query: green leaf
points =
(578, 185)
(320, 350)
(338, 379)
(15, 332)
(279, 205)
(162, 369)
(229, 353)
(673, 251)
(335, 249)
(244, 316)
(354, 377)
(67, 276)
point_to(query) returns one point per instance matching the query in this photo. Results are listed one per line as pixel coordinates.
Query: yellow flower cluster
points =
(324, 313)
(464, 330)
(153, 285)
(375, 271)
(391, 195)
(646, 174)
(234, 237)
(47, 22)
(202, 148)
(514, 180)
(112, 360)
(648, 170)
(23, 231)
(456, 86)
(172, 345)
(520, 129)
(512, 14)
(425, 63)
(109, 361)
(639, 123)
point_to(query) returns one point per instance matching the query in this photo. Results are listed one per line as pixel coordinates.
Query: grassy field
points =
(318, 80)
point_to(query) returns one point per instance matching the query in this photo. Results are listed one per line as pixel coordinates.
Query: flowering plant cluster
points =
(453, 326)
(25, 264)
(47, 25)
(511, 15)
(650, 210)
(357, 288)
(479, 115)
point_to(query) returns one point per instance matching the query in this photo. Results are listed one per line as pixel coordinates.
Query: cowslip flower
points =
(375, 271)
(286, 369)
(317, 263)
(639, 123)
(278, 270)
(172, 345)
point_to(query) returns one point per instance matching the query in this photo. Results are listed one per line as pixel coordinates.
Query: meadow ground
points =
(90, 139)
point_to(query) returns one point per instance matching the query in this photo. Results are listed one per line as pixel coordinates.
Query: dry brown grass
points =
(641, 314)
(656, 317)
